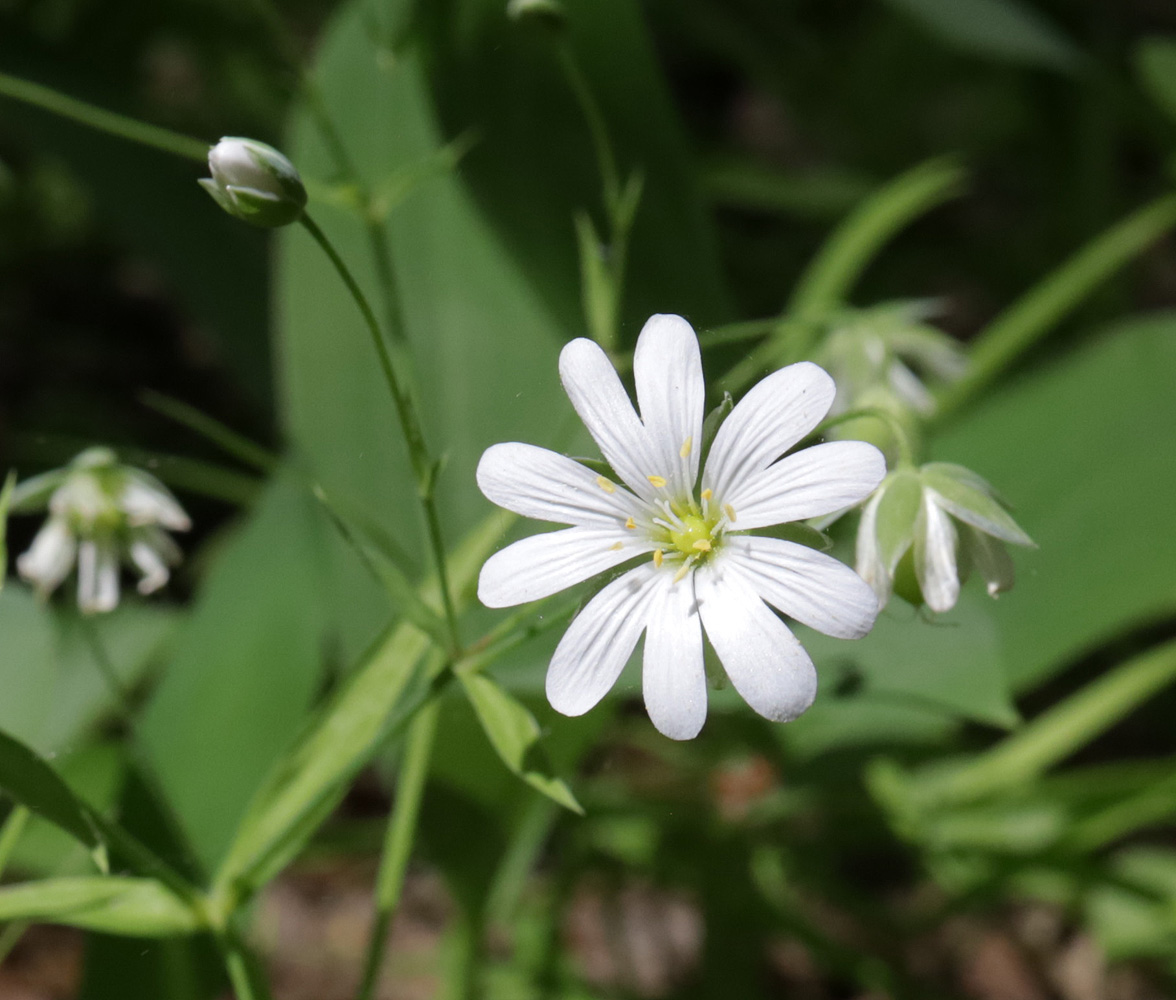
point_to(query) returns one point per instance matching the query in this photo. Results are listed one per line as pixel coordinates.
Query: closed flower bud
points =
(549, 13)
(925, 529)
(254, 182)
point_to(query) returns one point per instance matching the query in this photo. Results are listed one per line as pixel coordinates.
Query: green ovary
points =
(694, 538)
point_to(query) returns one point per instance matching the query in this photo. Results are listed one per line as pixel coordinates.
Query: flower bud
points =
(254, 183)
(549, 13)
(925, 529)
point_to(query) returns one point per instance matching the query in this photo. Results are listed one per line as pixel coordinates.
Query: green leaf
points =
(111, 904)
(308, 781)
(1080, 448)
(36, 786)
(515, 735)
(485, 350)
(28, 667)
(1155, 62)
(244, 668)
(1000, 29)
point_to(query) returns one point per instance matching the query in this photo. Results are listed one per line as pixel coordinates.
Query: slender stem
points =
(245, 973)
(113, 682)
(853, 244)
(410, 787)
(606, 160)
(223, 436)
(10, 833)
(104, 121)
(423, 467)
(1037, 312)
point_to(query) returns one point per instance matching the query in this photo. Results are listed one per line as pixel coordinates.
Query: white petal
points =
(151, 564)
(97, 577)
(770, 419)
(868, 561)
(596, 392)
(765, 661)
(935, 557)
(815, 481)
(545, 564)
(598, 643)
(910, 389)
(673, 676)
(542, 484)
(145, 500)
(48, 560)
(667, 370)
(804, 584)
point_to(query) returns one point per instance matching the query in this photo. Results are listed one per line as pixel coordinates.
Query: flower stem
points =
(410, 786)
(243, 968)
(423, 467)
(104, 121)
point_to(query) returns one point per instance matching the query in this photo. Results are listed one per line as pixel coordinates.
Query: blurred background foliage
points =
(821, 859)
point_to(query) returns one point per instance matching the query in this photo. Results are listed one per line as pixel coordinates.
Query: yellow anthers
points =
(605, 484)
(658, 481)
(630, 524)
(702, 545)
(706, 494)
(657, 558)
(730, 512)
(687, 445)
(617, 547)
(680, 575)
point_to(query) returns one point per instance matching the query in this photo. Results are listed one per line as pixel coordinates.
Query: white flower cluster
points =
(101, 513)
(700, 569)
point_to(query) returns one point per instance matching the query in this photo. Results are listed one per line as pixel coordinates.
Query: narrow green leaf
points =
(515, 735)
(854, 243)
(596, 285)
(224, 437)
(112, 904)
(1155, 61)
(1001, 29)
(1040, 309)
(344, 736)
(36, 786)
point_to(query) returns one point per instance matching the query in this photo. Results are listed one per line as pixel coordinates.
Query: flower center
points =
(694, 536)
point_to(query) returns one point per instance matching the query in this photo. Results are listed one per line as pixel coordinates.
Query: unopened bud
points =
(549, 13)
(254, 182)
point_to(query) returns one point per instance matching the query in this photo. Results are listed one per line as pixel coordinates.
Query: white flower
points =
(254, 182)
(702, 570)
(914, 514)
(100, 514)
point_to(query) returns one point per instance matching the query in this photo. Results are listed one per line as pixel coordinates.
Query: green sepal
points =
(894, 525)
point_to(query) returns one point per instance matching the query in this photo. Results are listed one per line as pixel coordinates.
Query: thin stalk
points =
(223, 436)
(1062, 730)
(245, 974)
(826, 281)
(10, 833)
(114, 684)
(409, 425)
(102, 120)
(606, 161)
(1039, 311)
(398, 840)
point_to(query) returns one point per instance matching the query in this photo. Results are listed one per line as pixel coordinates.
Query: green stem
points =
(223, 436)
(110, 676)
(398, 839)
(826, 281)
(423, 468)
(606, 161)
(1057, 733)
(1037, 312)
(243, 968)
(104, 121)
(10, 833)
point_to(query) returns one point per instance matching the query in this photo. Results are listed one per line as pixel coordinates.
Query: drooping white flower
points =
(947, 521)
(701, 570)
(101, 514)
